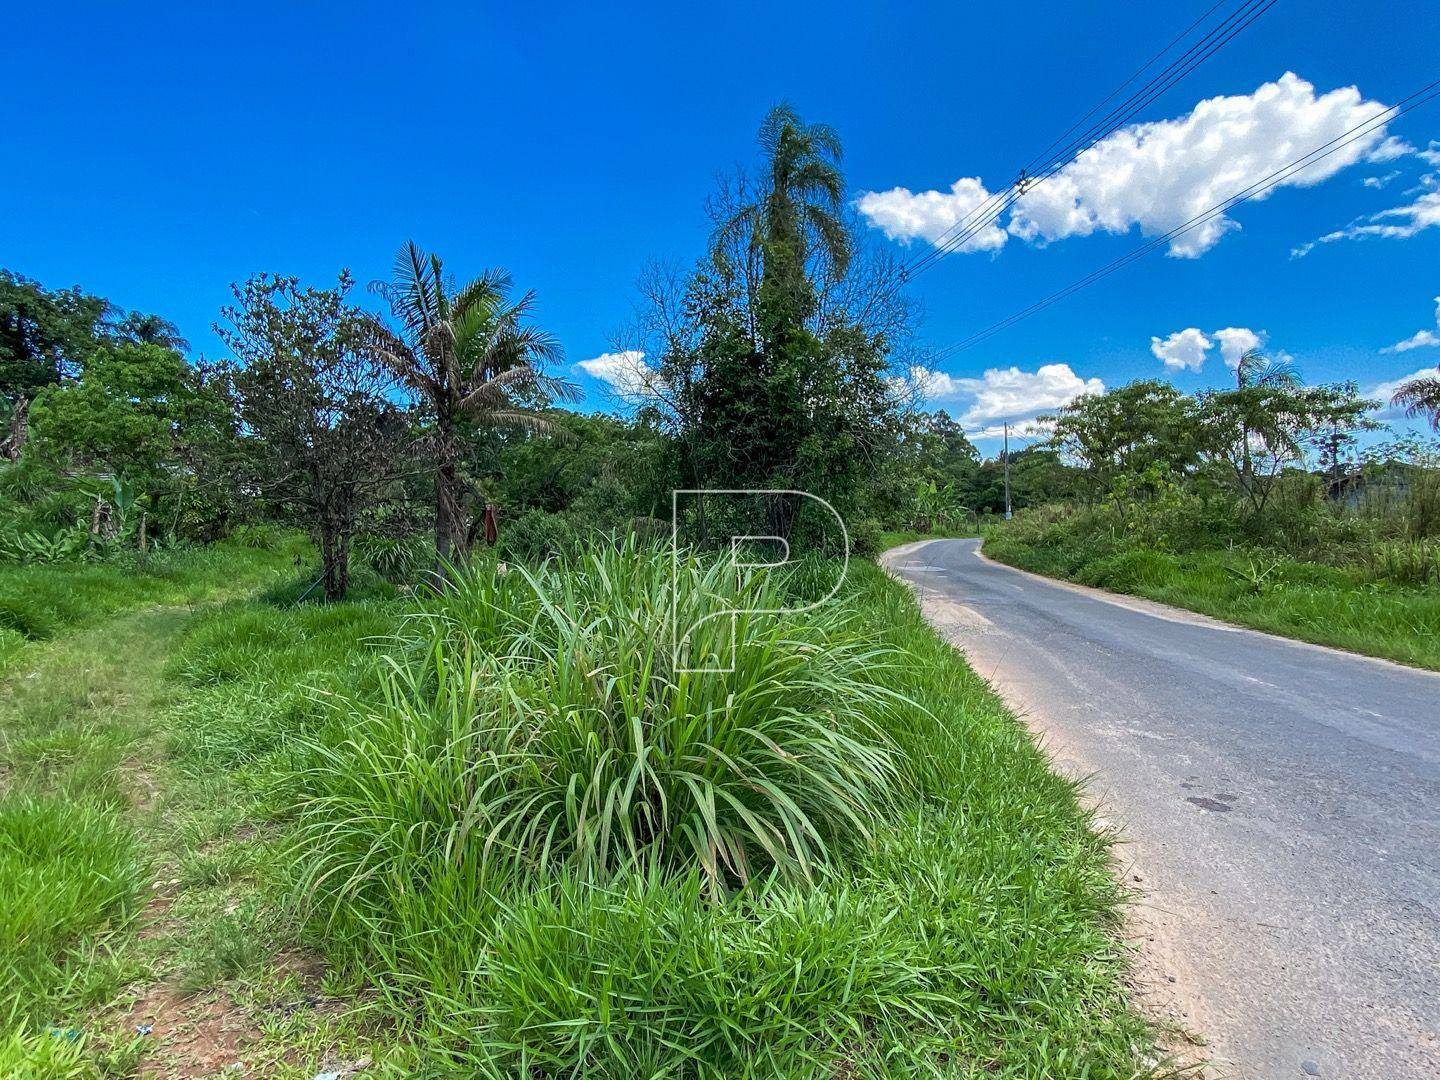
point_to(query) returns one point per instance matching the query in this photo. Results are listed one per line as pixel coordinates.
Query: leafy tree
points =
(325, 433)
(475, 360)
(1126, 431)
(130, 413)
(1260, 429)
(765, 386)
(604, 471)
(45, 335)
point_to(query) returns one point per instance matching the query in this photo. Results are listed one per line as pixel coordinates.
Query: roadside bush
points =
(531, 842)
(559, 711)
(1405, 562)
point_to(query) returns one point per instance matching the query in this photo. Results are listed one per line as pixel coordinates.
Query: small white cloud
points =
(1009, 394)
(906, 215)
(1391, 148)
(626, 373)
(1431, 154)
(1420, 339)
(1236, 341)
(1378, 182)
(1397, 223)
(1182, 349)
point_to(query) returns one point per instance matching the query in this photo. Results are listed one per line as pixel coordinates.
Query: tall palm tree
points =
(799, 211)
(472, 355)
(1420, 396)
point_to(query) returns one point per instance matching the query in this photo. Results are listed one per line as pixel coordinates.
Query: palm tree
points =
(799, 209)
(1257, 369)
(472, 355)
(1420, 396)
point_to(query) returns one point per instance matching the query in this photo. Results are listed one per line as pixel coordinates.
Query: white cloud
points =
(1015, 395)
(1420, 338)
(927, 383)
(1235, 342)
(626, 372)
(1378, 182)
(905, 215)
(1001, 395)
(1397, 223)
(1158, 176)
(1182, 349)
(1430, 155)
(1187, 349)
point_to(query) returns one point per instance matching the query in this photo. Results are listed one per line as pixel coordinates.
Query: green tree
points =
(1258, 430)
(474, 358)
(45, 335)
(326, 436)
(767, 387)
(1126, 431)
(123, 415)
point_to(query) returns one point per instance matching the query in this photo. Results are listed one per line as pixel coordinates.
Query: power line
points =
(989, 211)
(1259, 187)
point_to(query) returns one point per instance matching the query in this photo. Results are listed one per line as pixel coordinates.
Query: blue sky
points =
(156, 157)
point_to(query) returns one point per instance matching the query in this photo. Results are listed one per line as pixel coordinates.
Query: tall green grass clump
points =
(555, 854)
(552, 701)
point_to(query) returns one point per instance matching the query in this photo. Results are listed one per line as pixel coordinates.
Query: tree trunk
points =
(449, 529)
(335, 560)
(14, 443)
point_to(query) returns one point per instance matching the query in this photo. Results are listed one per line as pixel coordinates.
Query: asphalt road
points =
(1279, 805)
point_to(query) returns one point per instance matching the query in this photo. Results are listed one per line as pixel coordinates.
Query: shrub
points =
(542, 723)
(535, 536)
(260, 537)
(1405, 562)
(27, 1055)
(400, 559)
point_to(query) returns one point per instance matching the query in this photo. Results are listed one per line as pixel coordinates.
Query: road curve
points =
(1279, 805)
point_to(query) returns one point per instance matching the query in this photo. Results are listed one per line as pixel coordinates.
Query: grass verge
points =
(548, 853)
(1326, 605)
(714, 889)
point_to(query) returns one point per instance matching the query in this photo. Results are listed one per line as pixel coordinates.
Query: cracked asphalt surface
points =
(1279, 805)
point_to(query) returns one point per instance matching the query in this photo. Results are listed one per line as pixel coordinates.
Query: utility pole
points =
(1007, 471)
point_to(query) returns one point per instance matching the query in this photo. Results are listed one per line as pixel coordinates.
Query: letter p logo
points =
(704, 634)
